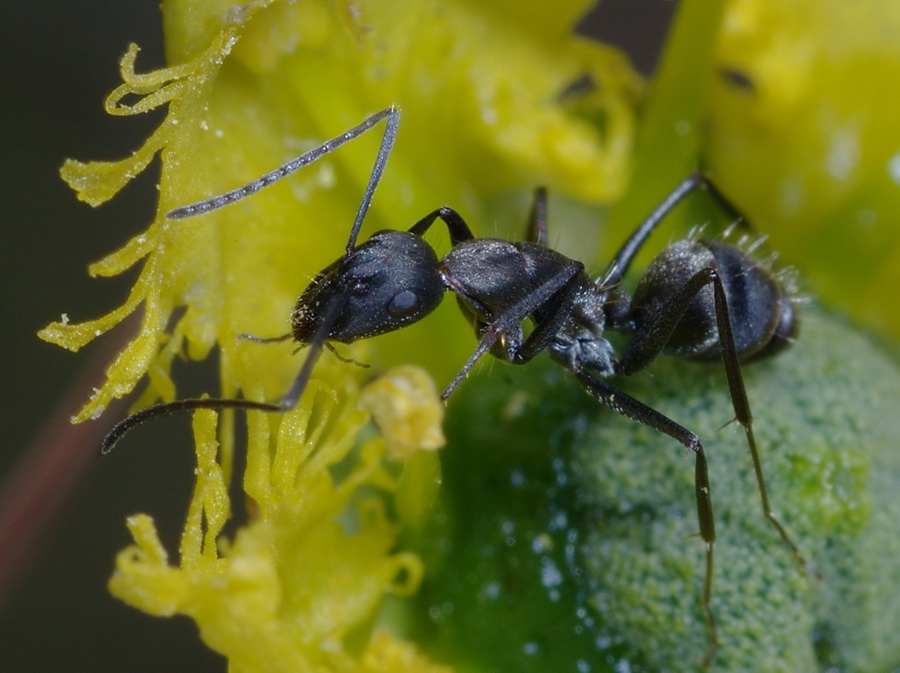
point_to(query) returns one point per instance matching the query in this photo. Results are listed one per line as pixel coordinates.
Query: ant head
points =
(384, 284)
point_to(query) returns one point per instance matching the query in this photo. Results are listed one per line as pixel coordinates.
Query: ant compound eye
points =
(403, 304)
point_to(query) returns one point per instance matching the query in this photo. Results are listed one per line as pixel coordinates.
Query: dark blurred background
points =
(59, 60)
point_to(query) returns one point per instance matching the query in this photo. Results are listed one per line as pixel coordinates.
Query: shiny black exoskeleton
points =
(699, 299)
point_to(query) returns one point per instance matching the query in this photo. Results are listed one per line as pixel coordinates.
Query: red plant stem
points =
(50, 473)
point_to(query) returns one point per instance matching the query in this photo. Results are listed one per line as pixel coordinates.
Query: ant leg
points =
(619, 266)
(648, 343)
(544, 331)
(384, 151)
(631, 408)
(343, 358)
(537, 219)
(456, 225)
(563, 280)
(744, 416)
(460, 231)
(537, 340)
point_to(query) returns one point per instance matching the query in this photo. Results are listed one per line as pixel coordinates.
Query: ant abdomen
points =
(762, 312)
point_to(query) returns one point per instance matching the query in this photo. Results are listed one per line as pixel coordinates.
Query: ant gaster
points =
(699, 299)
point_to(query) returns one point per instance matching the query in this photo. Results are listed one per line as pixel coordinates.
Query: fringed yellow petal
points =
(143, 573)
(75, 336)
(210, 506)
(96, 182)
(123, 258)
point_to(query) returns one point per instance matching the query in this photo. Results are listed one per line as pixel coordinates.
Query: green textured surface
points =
(533, 465)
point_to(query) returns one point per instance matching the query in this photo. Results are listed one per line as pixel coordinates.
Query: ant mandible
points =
(699, 299)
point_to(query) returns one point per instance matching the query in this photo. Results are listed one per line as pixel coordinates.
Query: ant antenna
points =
(384, 151)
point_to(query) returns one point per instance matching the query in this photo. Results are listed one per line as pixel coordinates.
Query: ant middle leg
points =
(536, 229)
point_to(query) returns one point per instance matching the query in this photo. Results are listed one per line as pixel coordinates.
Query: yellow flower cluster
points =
(299, 578)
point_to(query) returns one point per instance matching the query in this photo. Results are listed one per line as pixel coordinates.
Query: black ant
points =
(699, 299)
